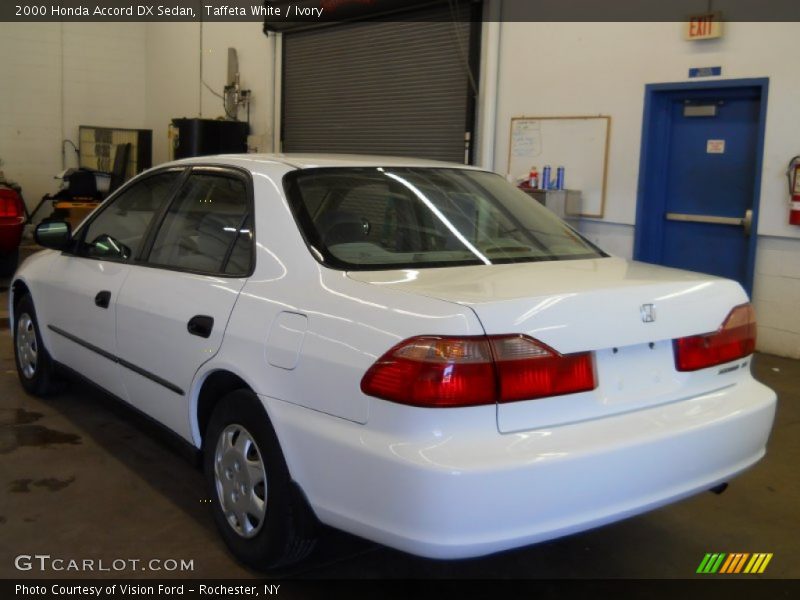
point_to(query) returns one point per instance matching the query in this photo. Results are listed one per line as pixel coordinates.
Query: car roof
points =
(258, 162)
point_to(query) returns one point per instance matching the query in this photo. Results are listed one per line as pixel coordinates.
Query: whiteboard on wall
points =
(579, 144)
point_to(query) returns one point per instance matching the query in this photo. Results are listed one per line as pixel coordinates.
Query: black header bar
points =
(282, 15)
(710, 588)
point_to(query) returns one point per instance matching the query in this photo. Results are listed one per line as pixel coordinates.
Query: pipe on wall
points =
(277, 76)
(488, 85)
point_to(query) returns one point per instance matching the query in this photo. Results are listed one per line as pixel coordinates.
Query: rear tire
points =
(250, 488)
(8, 263)
(35, 367)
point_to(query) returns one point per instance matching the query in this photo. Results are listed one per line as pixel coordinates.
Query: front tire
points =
(35, 368)
(250, 488)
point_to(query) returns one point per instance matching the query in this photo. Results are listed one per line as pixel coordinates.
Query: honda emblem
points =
(648, 313)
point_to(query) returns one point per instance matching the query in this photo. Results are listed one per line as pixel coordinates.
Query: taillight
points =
(735, 339)
(10, 204)
(435, 372)
(441, 372)
(528, 369)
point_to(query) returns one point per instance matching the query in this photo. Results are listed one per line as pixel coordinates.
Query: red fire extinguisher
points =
(793, 175)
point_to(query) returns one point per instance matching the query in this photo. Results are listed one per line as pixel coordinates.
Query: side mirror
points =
(54, 234)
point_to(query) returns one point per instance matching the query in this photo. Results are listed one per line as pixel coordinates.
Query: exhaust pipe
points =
(718, 489)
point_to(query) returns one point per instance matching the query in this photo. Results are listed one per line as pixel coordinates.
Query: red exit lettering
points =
(701, 26)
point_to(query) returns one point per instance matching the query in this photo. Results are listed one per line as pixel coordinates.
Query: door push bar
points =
(746, 222)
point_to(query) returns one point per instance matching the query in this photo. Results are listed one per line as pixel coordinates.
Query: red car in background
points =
(12, 222)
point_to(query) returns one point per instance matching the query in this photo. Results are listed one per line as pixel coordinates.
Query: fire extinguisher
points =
(793, 176)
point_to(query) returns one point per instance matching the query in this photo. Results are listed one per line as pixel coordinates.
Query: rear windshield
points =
(371, 218)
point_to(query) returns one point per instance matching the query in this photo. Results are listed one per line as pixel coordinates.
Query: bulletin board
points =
(579, 144)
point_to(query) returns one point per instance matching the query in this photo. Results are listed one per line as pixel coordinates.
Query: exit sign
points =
(703, 27)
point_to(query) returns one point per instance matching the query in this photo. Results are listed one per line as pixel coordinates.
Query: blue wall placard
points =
(705, 71)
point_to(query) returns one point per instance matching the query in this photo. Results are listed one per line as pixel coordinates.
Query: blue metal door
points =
(700, 175)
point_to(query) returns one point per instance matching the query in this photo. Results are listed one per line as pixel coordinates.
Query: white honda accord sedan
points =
(413, 352)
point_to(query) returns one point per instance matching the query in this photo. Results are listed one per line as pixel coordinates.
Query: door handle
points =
(745, 222)
(103, 299)
(200, 325)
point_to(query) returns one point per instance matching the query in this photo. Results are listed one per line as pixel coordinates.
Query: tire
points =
(35, 368)
(8, 263)
(263, 535)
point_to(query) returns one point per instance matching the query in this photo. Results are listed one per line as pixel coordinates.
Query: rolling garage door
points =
(401, 87)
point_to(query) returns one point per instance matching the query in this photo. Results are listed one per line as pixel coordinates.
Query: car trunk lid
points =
(626, 312)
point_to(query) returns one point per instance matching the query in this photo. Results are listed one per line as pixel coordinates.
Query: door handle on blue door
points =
(200, 325)
(103, 299)
(746, 222)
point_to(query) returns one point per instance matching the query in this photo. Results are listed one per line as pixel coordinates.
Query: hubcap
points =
(241, 480)
(27, 348)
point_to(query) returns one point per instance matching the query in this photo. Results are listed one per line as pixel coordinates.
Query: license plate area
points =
(629, 378)
(636, 375)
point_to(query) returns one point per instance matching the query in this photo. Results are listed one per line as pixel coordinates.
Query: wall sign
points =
(580, 144)
(704, 26)
(715, 147)
(705, 72)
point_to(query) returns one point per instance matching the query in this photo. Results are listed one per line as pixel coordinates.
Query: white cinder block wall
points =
(173, 67)
(55, 77)
(552, 69)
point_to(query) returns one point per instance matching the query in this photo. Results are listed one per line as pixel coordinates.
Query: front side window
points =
(118, 231)
(394, 218)
(208, 227)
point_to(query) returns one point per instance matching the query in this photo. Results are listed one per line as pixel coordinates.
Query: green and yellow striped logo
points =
(735, 562)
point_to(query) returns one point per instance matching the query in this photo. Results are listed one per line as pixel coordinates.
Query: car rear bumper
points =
(467, 491)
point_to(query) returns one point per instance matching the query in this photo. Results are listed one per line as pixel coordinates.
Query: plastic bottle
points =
(533, 178)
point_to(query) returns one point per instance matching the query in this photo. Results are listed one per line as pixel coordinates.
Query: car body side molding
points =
(155, 378)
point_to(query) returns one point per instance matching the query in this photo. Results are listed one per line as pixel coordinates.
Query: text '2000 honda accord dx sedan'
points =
(413, 352)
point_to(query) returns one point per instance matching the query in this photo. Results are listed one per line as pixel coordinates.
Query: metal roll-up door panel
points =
(395, 87)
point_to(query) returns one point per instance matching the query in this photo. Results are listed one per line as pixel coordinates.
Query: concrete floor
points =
(83, 477)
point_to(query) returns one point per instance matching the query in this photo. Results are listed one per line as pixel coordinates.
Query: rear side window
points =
(240, 260)
(208, 228)
(118, 231)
